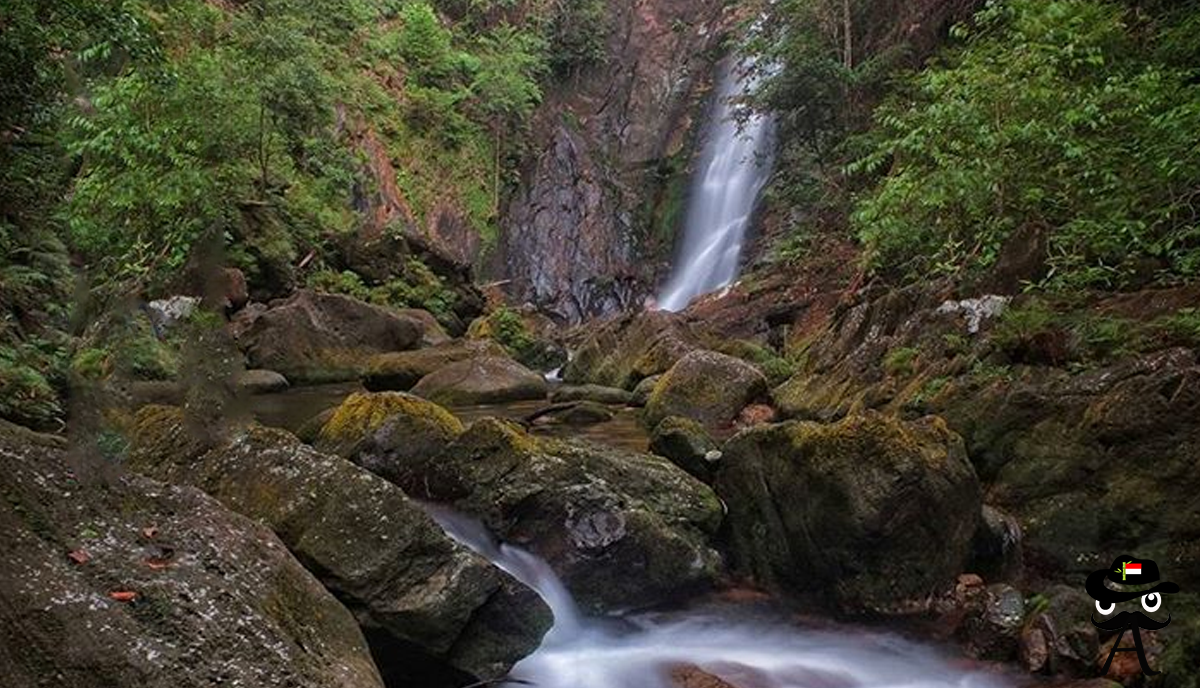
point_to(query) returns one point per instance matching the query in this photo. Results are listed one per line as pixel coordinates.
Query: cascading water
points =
(734, 166)
(644, 652)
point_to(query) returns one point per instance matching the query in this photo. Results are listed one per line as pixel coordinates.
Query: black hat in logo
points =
(1127, 571)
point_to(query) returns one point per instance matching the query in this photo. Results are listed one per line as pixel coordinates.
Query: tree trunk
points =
(848, 35)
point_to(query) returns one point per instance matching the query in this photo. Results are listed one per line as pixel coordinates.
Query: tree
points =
(1052, 115)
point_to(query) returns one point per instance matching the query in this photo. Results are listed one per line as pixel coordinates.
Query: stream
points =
(747, 648)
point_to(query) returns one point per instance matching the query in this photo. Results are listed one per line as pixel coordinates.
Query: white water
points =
(578, 653)
(734, 166)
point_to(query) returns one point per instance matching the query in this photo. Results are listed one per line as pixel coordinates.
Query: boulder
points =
(623, 529)
(705, 386)
(432, 334)
(169, 312)
(481, 380)
(132, 583)
(624, 351)
(382, 430)
(687, 444)
(572, 413)
(414, 590)
(642, 391)
(260, 381)
(993, 631)
(313, 337)
(1058, 637)
(401, 370)
(596, 393)
(234, 289)
(873, 510)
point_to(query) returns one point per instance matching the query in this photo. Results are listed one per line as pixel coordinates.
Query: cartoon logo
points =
(1128, 579)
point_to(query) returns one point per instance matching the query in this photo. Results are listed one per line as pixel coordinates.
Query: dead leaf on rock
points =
(123, 595)
(79, 556)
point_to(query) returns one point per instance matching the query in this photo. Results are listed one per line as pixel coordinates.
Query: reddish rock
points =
(237, 294)
(757, 414)
(692, 676)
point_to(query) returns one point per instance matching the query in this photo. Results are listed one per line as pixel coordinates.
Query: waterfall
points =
(741, 649)
(733, 168)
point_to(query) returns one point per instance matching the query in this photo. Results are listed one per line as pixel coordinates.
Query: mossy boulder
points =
(707, 387)
(371, 545)
(875, 511)
(623, 529)
(626, 350)
(594, 393)
(481, 380)
(260, 382)
(687, 444)
(642, 391)
(314, 337)
(383, 430)
(401, 370)
(129, 582)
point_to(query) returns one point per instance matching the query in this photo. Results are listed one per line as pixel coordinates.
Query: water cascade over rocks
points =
(649, 651)
(733, 168)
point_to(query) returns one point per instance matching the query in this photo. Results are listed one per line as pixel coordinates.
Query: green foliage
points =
(346, 282)
(1051, 116)
(30, 379)
(1182, 327)
(417, 287)
(508, 329)
(776, 368)
(577, 33)
(900, 361)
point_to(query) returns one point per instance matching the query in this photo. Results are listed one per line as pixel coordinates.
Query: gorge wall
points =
(594, 212)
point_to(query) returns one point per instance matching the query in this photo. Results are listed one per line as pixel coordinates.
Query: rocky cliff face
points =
(577, 236)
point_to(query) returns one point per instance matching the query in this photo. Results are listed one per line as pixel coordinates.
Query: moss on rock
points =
(877, 511)
(705, 386)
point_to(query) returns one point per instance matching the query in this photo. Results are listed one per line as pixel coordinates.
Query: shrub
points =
(1050, 115)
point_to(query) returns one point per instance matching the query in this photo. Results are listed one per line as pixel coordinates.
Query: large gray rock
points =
(622, 352)
(596, 393)
(401, 370)
(622, 529)
(686, 443)
(369, 543)
(260, 382)
(707, 387)
(875, 511)
(132, 583)
(314, 337)
(482, 380)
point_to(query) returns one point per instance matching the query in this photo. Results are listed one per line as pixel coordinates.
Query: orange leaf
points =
(123, 595)
(79, 556)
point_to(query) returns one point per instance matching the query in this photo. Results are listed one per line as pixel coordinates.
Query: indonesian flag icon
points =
(1129, 569)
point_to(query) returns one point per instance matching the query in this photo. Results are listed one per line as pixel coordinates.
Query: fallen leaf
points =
(79, 556)
(123, 595)
(150, 532)
(158, 563)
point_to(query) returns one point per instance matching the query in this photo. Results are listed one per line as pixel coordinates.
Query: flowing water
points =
(734, 165)
(746, 652)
